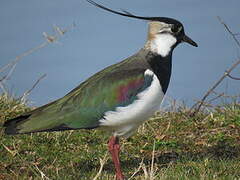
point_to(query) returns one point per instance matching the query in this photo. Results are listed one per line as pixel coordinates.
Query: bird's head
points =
(164, 33)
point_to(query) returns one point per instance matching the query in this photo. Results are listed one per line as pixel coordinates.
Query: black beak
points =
(189, 40)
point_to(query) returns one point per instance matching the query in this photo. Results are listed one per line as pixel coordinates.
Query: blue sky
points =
(100, 39)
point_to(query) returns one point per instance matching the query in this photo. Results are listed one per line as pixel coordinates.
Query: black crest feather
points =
(128, 14)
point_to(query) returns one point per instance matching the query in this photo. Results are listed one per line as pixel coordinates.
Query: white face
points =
(162, 44)
(162, 38)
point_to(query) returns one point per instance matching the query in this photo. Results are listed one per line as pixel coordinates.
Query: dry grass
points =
(171, 145)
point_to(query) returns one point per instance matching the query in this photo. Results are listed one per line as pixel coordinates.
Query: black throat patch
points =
(162, 67)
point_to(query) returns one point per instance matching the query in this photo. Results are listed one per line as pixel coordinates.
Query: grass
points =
(171, 145)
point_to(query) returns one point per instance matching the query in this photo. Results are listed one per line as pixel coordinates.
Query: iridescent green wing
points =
(86, 105)
(116, 90)
(83, 107)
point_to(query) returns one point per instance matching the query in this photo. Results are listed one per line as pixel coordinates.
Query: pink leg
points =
(114, 148)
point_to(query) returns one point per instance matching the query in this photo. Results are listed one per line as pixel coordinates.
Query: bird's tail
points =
(12, 126)
(46, 118)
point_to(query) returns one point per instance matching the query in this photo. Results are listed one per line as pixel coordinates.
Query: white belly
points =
(125, 120)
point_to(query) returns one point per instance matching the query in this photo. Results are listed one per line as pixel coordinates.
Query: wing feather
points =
(84, 106)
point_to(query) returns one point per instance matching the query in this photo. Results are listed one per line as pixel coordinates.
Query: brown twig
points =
(23, 98)
(49, 39)
(230, 32)
(204, 103)
(17, 58)
(215, 98)
(232, 77)
(102, 163)
(226, 74)
(6, 77)
(213, 87)
(3, 88)
(226, 95)
(137, 170)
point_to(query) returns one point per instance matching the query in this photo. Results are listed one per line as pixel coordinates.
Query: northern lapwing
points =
(120, 97)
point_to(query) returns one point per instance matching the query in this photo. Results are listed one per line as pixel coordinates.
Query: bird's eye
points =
(175, 29)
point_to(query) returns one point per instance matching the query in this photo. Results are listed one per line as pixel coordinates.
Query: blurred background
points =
(100, 39)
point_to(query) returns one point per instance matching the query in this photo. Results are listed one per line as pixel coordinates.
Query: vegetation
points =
(171, 145)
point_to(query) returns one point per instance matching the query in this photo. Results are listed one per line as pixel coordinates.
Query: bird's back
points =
(85, 105)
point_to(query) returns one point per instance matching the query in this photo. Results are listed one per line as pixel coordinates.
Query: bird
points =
(117, 99)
